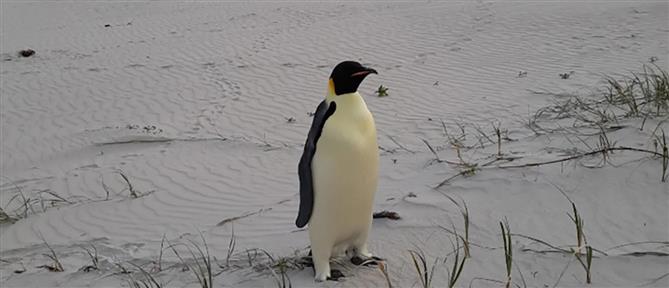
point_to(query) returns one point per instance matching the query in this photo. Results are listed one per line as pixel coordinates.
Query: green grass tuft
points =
(423, 270)
(458, 263)
(201, 261)
(508, 250)
(56, 266)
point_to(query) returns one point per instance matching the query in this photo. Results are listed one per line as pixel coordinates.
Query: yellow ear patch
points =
(331, 91)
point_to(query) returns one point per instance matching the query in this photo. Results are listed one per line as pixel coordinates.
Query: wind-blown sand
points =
(204, 107)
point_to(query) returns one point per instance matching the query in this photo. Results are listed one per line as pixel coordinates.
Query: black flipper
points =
(323, 112)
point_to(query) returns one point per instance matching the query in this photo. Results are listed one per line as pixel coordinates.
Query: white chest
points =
(345, 166)
(351, 128)
(345, 172)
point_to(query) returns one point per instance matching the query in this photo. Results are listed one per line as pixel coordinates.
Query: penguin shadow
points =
(336, 274)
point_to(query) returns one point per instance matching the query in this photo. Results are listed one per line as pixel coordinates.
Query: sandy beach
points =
(141, 130)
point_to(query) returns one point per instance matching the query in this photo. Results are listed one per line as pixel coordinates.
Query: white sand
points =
(219, 83)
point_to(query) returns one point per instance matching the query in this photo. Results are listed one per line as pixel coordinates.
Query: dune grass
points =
(279, 271)
(424, 270)
(131, 189)
(383, 267)
(458, 263)
(644, 94)
(56, 265)
(278, 267)
(147, 280)
(587, 264)
(581, 244)
(665, 155)
(201, 265)
(95, 260)
(641, 93)
(5, 218)
(231, 246)
(498, 133)
(382, 91)
(159, 262)
(25, 202)
(508, 250)
(464, 212)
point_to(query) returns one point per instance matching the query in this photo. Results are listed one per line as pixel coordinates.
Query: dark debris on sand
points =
(27, 53)
(387, 214)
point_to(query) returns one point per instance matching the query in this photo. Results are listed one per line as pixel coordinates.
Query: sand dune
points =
(204, 108)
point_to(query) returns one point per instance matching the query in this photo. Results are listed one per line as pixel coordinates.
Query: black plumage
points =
(323, 112)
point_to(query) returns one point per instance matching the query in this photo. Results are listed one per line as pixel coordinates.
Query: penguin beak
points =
(364, 72)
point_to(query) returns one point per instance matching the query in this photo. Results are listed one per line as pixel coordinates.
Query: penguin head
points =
(347, 76)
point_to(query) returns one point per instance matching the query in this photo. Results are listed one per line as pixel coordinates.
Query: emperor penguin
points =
(338, 173)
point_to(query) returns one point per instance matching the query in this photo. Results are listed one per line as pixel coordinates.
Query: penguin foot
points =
(357, 261)
(335, 275)
(372, 261)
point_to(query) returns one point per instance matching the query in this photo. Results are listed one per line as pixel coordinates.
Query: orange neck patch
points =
(331, 91)
(331, 87)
